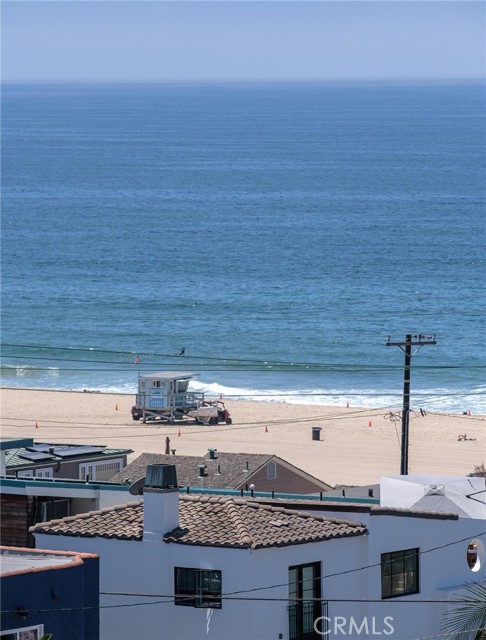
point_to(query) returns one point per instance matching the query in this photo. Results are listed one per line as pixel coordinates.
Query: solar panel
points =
(70, 452)
(34, 456)
(44, 448)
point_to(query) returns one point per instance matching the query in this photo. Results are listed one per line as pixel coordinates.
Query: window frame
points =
(90, 468)
(46, 472)
(272, 475)
(25, 473)
(305, 608)
(407, 574)
(39, 628)
(197, 596)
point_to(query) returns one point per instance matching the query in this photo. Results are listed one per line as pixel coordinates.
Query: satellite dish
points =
(136, 489)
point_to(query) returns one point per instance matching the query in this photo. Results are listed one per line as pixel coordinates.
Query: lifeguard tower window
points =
(156, 383)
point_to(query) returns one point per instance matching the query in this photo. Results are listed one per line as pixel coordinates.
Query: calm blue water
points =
(254, 225)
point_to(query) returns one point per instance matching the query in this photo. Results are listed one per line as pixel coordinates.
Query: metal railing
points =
(164, 401)
(305, 618)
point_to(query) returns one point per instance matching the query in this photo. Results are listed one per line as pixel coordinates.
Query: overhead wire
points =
(339, 573)
(283, 394)
(223, 360)
(363, 568)
(188, 430)
(169, 598)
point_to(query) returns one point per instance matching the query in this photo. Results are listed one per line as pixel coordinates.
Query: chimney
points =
(160, 502)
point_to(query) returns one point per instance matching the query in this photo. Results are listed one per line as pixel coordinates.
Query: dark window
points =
(197, 587)
(305, 591)
(399, 573)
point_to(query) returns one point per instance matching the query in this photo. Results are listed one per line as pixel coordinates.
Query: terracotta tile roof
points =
(211, 521)
(124, 522)
(236, 522)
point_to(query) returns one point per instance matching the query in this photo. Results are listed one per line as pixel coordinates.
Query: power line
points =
(263, 394)
(169, 598)
(223, 360)
(324, 577)
(189, 431)
(363, 568)
(236, 595)
(234, 365)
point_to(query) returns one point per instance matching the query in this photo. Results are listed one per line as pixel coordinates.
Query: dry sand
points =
(350, 451)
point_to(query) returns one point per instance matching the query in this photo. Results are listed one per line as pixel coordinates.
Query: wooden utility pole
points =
(410, 341)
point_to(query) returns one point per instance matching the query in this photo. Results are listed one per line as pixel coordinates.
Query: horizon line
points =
(328, 80)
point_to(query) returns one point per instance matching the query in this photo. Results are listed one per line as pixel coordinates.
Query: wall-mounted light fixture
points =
(22, 612)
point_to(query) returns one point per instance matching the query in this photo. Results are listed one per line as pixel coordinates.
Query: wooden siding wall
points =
(70, 469)
(287, 481)
(17, 516)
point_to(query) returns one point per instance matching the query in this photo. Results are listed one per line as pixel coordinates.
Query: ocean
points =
(277, 232)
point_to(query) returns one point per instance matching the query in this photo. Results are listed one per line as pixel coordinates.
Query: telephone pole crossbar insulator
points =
(413, 343)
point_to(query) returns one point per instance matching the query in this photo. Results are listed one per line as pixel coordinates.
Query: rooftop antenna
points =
(418, 341)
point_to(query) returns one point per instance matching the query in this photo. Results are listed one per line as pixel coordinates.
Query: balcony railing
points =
(302, 620)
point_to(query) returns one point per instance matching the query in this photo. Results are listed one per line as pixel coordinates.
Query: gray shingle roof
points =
(227, 471)
(211, 521)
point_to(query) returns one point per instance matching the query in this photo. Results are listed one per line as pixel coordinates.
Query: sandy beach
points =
(350, 450)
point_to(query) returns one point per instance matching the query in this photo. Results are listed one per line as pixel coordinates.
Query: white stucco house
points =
(183, 567)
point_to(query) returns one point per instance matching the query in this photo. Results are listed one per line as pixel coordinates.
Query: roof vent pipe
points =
(212, 454)
(161, 476)
(202, 470)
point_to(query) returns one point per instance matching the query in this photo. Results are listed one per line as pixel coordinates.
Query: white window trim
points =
(89, 468)
(39, 628)
(48, 472)
(27, 473)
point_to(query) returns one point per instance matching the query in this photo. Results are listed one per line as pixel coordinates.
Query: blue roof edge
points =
(107, 486)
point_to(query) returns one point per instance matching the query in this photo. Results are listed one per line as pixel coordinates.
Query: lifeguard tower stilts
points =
(164, 396)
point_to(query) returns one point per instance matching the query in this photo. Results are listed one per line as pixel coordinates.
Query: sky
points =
(151, 41)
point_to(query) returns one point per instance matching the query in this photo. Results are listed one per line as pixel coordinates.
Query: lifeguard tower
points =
(165, 396)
